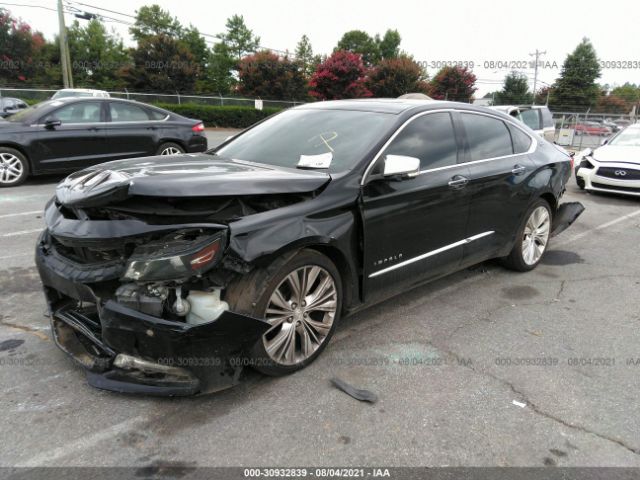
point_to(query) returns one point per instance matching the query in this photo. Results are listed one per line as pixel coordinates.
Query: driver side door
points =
(414, 227)
(79, 141)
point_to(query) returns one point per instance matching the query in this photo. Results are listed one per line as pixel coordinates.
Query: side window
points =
(82, 112)
(21, 105)
(430, 138)
(531, 119)
(123, 112)
(157, 114)
(521, 141)
(488, 137)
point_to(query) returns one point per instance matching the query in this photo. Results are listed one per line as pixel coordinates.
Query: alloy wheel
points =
(11, 168)
(536, 235)
(301, 311)
(171, 151)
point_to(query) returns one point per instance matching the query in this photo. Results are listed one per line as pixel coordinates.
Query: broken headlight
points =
(175, 257)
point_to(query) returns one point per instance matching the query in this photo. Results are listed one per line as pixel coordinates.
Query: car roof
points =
(86, 90)
(388, 105)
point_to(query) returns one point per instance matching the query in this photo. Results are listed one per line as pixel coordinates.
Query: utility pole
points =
(65, 60)
(535, 74)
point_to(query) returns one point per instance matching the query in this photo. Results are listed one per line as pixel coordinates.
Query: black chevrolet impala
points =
(69, 134)
(167, 275)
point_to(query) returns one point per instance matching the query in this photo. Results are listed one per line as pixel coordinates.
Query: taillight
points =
(198, 128)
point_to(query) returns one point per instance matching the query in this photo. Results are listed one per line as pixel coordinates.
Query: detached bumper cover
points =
(566, 214)
(128, 351)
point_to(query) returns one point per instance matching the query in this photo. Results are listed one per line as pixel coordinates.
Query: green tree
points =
(360, 42)
(629, 92)
(238, 38)
(304, 55)
(96, 55)
(515, 91)
(218, 76)
(151, 20)
(389, 44)
(267, 75)
(453, 83)
(162, 64)
(576, 88)
(393, 77)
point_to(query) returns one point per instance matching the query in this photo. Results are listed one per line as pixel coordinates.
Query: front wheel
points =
(300, 295)
(532, 239)
(14, 168)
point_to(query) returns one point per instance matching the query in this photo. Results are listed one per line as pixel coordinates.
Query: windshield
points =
(629, 137)
(27, 113)
(321, 139)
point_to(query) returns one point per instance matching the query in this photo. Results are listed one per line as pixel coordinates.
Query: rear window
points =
(547, 118)
(531, 119)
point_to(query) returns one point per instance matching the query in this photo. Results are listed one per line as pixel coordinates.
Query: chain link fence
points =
(38, 95)
(578, 131)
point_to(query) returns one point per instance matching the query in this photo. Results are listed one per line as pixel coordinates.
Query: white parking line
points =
(599, 227)
(83, 443)
(21, 232)
(20, 214)
(7, 257)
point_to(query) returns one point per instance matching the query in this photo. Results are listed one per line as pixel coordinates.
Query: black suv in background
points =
(69, 134)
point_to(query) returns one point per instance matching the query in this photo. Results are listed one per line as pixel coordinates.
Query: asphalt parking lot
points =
(484, 368)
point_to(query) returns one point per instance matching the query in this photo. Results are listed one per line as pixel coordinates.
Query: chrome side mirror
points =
(401, 165)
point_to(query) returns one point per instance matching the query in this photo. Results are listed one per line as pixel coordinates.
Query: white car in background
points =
(537, 117)
(80, 92)
(614, 167)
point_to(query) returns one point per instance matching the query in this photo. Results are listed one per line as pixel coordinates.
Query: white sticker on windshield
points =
(316, 161)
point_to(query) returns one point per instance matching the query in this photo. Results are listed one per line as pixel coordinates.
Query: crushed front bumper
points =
(128, 351)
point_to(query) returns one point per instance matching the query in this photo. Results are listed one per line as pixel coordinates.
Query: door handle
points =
(518, 169)
(458, 181)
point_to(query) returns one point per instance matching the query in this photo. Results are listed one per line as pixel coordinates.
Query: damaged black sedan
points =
(168, 275)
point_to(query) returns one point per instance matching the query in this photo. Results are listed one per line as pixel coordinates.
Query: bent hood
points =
(192, 175)
(614, 153)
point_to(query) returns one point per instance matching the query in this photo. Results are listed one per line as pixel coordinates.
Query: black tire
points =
(251, 295)
(580, 182)
(515, 260)
(18, 160)
(170, 145)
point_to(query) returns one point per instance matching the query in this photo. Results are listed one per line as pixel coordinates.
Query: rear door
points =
(499, 168)
(414, 227)
(131, 132)
(79, 141)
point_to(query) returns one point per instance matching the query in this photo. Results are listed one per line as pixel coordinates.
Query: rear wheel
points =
(532, 239)
(170, 148)
(14, 167)
(300, 295)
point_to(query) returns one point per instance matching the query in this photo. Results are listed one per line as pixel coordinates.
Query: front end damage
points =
(138, 304)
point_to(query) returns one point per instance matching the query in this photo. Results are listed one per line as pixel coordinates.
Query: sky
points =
(496, 36)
